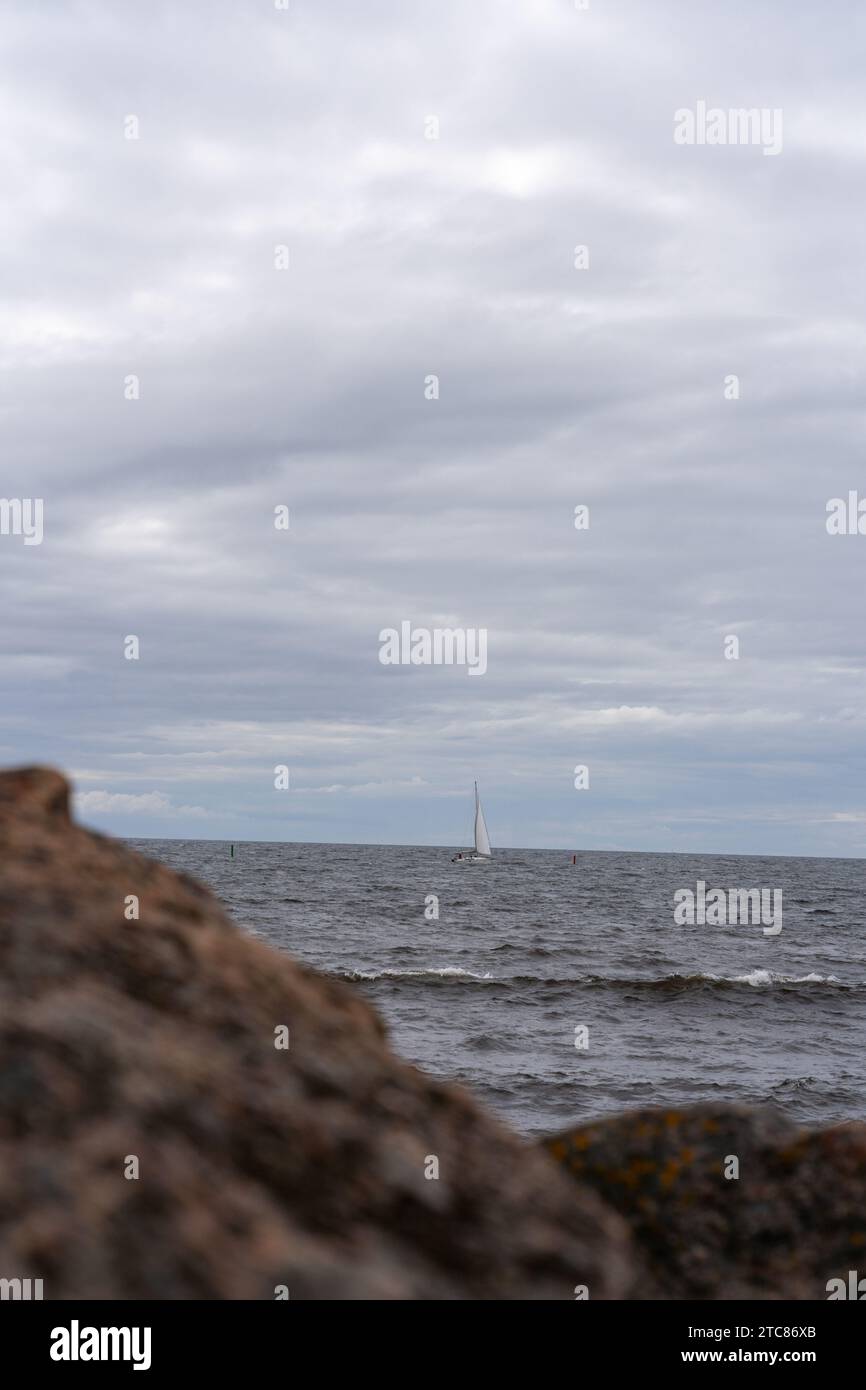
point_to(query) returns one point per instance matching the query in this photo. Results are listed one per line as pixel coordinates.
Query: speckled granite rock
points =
(153, 1040)
(793, 1219)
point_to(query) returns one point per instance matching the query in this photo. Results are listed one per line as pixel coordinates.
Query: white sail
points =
(482, 839)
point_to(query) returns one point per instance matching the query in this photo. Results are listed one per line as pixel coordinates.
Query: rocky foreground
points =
(185, 1113)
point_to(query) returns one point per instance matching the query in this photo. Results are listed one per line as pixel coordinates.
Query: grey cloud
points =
(454, 257)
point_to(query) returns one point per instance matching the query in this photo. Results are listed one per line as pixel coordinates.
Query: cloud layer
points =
(259, 387)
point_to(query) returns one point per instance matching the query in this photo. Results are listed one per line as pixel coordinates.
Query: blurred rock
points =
(793, 1219)
(153, 1039)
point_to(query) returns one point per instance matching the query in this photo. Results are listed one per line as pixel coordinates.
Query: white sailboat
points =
(482, 853)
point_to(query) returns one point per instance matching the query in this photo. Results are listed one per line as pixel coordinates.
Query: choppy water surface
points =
(530, 947)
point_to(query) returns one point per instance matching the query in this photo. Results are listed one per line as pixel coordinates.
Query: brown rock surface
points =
(795, 1217)
(258, 1167)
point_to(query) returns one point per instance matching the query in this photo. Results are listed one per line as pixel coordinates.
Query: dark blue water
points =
(529, 948)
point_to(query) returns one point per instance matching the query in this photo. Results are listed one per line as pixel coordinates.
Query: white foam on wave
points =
(761, 978)
(431, 971)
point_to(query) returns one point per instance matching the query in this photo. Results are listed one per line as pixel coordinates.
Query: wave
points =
(752, 979)
(666, 984)
(445, 972)
(508, 947)
(758, 978)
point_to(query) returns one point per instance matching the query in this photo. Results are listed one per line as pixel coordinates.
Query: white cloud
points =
(364, 788)
(105, 803)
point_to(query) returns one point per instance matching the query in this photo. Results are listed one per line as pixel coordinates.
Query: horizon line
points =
(504, 849)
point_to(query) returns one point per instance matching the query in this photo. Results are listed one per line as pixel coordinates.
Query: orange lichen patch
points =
(791, 1153)
(687, 1156)
(858, 1238)
(670, 1171)
(672, 1119)
(711, 1126)
(558, 1149)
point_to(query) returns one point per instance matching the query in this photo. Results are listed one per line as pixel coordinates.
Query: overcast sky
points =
(411, 256)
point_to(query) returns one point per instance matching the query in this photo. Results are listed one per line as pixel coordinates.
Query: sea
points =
(559, 992)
